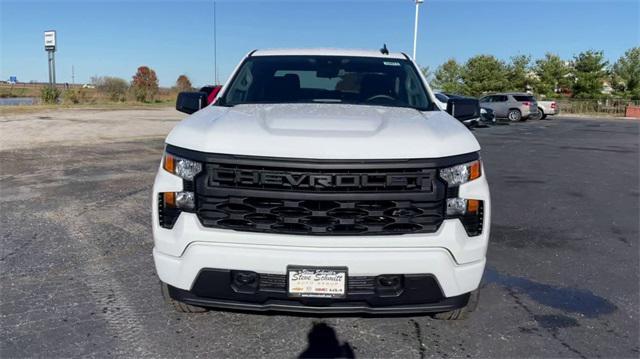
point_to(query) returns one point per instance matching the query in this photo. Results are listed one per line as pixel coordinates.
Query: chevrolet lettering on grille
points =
(297, 180)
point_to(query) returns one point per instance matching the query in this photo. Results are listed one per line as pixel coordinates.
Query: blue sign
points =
(13, 79)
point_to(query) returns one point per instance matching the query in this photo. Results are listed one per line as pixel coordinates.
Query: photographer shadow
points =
(323, 343)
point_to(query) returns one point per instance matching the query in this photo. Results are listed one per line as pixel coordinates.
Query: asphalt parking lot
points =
(77, 275)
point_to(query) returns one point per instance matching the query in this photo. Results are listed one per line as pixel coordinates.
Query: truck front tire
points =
(461, 313)
(177, 305)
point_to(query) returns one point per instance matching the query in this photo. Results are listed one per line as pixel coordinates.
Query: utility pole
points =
(215, 47)
(415, 28)
(73, 76)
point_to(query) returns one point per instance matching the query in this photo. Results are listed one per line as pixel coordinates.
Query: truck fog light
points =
(469, 212)
(167, 211)
(456, 206)
(169, 199)
(185, 200)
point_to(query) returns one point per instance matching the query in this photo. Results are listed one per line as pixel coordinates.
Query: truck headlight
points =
(460, 174)
(171, 204)
(469, 211)
(181, 167)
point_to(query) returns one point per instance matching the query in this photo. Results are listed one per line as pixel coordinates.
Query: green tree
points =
(590, 72)
(448, 77)
(518, 73)
(626, 74)
(484, 73)
(183, 83)
(552, 75)
(145, 84)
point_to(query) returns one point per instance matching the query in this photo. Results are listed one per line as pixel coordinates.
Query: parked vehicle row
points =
(513, 106)
(482, 117)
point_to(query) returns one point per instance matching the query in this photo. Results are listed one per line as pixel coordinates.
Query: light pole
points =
(415, 29)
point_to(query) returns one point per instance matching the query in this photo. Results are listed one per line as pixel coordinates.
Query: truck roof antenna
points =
(384, 50)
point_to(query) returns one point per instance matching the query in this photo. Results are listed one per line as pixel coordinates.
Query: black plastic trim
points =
(326, 196)
(413, 293)
(306, 163)
(447, 304)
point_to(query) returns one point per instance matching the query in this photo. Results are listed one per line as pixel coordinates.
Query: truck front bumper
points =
(431, 281)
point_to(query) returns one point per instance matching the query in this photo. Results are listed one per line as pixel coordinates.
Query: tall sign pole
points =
(50, 47)
(415, 28)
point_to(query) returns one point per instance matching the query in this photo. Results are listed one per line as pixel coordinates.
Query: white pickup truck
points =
(547, 108)
(321, 181)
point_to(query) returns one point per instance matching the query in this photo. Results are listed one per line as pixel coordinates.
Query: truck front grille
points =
(307, 197)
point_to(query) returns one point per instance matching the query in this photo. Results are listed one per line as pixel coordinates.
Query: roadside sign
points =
(13, 79)
(50, 40)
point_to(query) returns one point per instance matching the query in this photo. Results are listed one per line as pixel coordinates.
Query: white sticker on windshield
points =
(391, 63)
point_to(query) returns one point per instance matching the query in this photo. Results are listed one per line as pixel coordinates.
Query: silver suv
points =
(513, 106)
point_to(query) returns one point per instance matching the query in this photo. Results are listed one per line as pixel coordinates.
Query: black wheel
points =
(538, 116)
(461, 313)
(542, 114)
(178, 305)
(514, 115)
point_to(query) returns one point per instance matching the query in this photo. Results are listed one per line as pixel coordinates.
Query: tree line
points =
(586, 76)
(143, 87)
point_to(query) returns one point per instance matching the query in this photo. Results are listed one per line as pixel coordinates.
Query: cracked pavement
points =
(77, 276)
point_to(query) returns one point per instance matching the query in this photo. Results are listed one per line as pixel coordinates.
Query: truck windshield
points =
(327, 79)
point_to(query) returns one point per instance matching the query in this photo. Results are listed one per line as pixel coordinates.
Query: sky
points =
(113, 38)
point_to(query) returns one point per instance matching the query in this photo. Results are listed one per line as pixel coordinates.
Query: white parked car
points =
(323, 181)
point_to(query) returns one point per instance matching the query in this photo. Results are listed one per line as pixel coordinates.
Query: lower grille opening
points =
(319, 218)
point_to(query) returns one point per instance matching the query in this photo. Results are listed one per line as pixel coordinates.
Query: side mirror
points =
(463, 108)
(190, 102)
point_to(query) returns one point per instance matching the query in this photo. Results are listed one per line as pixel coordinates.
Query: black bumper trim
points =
(291, 306)
(409, 293)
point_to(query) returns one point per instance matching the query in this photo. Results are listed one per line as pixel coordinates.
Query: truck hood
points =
(323, 131)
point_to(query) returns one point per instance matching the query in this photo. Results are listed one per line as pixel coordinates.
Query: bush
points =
(71, 96)
(115, 88)
(74, 96)
(50, 94)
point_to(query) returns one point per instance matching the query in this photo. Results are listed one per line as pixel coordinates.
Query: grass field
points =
(74, 96)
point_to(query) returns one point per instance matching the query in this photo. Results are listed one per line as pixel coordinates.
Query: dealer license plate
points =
(318, 282)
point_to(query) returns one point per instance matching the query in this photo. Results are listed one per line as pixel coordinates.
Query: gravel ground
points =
(84, 126)
(77, 275)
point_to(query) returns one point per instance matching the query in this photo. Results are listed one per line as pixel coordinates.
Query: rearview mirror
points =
(190, 102)
(463, 108)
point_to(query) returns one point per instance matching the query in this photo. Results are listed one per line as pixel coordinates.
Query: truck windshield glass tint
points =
(328, 79)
